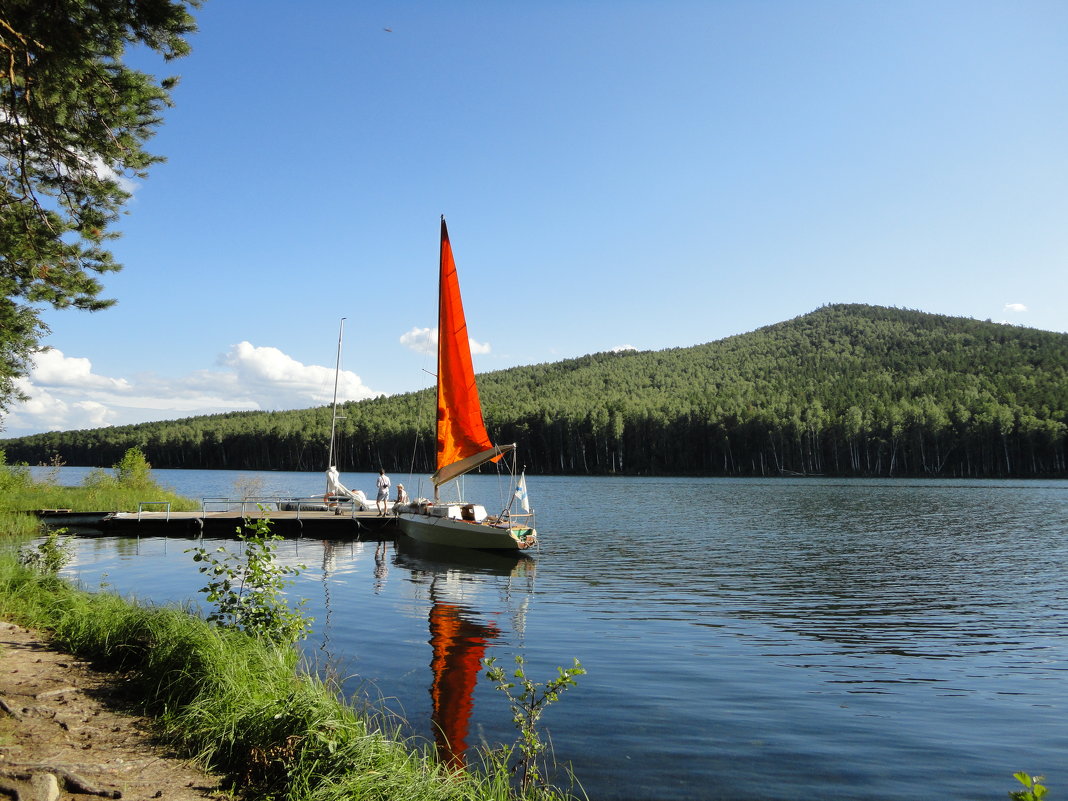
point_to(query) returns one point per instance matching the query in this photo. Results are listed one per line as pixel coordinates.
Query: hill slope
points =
(846, 389)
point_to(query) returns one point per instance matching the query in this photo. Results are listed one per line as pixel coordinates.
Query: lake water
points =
(745, 639)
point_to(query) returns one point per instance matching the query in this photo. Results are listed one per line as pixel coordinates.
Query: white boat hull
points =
(319, 503)
(465, 533)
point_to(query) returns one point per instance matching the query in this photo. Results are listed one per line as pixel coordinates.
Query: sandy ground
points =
(64, 733)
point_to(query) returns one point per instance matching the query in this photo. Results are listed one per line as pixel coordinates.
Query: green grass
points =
(238, 705)
(91, 499)
(18, 526)
(120, 490)
(100, 493)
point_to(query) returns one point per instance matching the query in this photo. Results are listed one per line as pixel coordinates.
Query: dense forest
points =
(847, 390)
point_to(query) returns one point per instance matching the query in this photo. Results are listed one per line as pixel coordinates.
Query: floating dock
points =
(334, 524)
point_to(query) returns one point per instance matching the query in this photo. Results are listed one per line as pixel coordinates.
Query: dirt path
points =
(63, 734)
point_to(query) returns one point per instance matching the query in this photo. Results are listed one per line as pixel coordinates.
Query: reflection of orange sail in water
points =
(458, 646)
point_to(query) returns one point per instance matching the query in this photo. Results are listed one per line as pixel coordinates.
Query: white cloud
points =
(95, 413)
(64, 392)
(270, 373)
(621, 348)
(53, 369)
(1015, 307)
(422, 340)
(55, 409)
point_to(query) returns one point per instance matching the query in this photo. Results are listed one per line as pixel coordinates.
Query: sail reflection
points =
(458, 643)
(458, 636)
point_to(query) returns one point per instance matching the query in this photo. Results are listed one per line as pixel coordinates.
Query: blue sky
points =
(614, 174)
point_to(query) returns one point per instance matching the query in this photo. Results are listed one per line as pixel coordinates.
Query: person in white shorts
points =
(382, 501)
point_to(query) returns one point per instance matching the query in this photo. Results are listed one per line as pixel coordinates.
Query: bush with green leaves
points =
(133, 470)
(50, 555)
(527, 708)
(248, 588)
(1033, 791)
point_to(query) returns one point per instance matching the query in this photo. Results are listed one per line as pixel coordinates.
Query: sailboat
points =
(462, 441)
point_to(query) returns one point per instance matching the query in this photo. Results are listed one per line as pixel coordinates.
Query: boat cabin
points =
(472, 512)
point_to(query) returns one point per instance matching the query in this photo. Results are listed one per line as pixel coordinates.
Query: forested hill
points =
(845, 390)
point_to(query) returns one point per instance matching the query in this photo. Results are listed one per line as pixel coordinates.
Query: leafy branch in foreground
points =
(49, 556)
(1033, 791)
(248, 589)
(527, 708)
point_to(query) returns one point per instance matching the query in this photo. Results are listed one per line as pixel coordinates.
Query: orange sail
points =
(461, 429)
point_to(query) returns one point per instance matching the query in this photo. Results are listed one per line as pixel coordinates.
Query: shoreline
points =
(69, 728)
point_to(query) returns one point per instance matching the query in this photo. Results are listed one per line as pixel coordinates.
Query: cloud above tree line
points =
(64, 392)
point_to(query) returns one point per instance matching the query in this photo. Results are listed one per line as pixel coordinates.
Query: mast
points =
(334, 418)
(443, 243)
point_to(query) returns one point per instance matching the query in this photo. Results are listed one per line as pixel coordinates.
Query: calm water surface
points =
(745, 639)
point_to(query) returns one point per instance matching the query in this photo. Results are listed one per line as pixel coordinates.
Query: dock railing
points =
(142, 504)
(272, 503)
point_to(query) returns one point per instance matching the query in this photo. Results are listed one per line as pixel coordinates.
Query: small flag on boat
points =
(521, 492)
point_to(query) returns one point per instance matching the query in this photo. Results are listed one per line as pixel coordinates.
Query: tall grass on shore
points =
(239, 705)
(236, 703)
(120, 489)
(18, 526)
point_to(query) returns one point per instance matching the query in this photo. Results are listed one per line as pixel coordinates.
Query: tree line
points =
(847, 390)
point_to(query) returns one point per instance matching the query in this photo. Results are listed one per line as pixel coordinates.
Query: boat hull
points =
(465, 534)
(320, 503)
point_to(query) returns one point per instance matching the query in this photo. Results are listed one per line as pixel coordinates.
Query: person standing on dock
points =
(382, 501)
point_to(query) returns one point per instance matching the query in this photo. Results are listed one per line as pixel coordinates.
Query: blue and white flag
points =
(521, 492)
